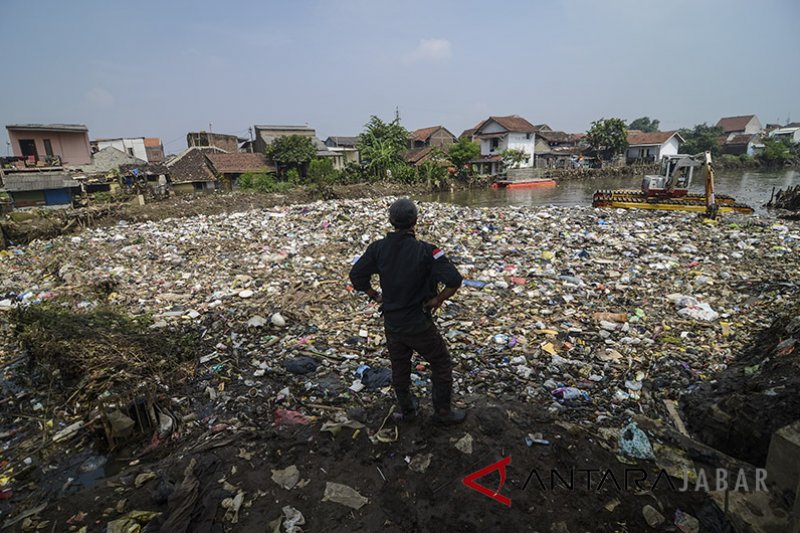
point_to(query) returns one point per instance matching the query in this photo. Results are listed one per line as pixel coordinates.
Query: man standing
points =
(410, 271)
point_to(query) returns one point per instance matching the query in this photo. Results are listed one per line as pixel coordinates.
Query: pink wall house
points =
(70, 142)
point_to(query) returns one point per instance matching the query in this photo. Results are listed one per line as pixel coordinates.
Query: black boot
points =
(407, 403)
(443, 412)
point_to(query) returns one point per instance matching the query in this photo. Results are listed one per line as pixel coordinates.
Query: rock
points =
(652, 517)
(277, 320)
(247, 293)
(464, 444)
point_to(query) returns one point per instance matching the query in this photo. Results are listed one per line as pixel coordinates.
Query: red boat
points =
(523, 184)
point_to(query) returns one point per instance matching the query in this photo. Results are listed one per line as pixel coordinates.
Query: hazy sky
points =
(163, 68)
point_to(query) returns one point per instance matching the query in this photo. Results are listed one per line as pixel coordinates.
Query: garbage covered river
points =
(751, 187)
(218, 373)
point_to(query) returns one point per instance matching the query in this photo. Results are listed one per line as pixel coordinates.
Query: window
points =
(494, 143)
(130, 152)
(527, 135)
(28, 148)
(48, 148)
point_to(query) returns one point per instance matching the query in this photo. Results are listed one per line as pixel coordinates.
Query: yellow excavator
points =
(669, 190)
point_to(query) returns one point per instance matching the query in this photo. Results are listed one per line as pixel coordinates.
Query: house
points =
(109, 159)
(791, 134)
(228, 167)
(498, 134)
(191, 171)
(436, 136)
(424, 143)
(648, 147)
(558, 149)
(741, 144)
(346, 147)
(229, 143)
(154, 149)
(740, 124)
(66, 143)
(266, 135)
(40, 189)
(341, 142)
(133, 146)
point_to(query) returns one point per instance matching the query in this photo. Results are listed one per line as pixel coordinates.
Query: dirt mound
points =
(739, 410)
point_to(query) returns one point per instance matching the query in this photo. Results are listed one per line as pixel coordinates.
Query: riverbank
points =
(565, 334)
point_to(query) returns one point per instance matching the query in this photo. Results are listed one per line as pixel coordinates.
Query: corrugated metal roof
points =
(38, 181)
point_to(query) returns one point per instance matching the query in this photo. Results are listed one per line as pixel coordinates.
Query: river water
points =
(752, 187)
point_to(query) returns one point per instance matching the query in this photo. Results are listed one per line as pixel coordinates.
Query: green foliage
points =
(703, 138)
(461, 153)
(513, 158)
(352, 173)
(102, 197)
(293, 176)
(434, 173)
(261, 182)
(776, 152)
(608, 137)
(321, 172)
(744, 158)
(292, 151)
(403, 172)
(729, 158)
(382, 146)
(644, 124)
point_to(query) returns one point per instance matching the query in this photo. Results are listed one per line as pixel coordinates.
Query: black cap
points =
(403, 214)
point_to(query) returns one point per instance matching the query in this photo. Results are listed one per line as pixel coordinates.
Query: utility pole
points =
(250, 134)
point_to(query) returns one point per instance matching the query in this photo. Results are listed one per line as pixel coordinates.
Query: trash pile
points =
(247, 322)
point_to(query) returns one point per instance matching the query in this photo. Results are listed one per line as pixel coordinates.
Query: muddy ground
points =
(400, 499)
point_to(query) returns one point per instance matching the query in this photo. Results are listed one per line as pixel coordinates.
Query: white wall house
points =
(497, 134)
(133, 146)
(651, 147)
(792, 134)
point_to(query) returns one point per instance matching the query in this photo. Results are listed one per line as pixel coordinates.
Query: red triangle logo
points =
(500, 466)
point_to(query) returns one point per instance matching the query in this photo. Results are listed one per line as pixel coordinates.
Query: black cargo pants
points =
(431, 346)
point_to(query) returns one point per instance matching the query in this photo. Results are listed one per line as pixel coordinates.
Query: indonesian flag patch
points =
(437, 253)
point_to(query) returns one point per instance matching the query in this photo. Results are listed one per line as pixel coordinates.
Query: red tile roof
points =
(418, 155)
(639, 138)
(423, 134)
(729, 124)
(513, 123)
(238, 163)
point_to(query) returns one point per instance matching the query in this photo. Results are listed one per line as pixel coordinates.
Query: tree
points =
(382, 146)
(513, 157)
(776, 152)
(292, 152)
(701, 139)
(321, 172)
(608, 137)
(644, 124)
(461, 153)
